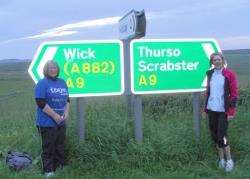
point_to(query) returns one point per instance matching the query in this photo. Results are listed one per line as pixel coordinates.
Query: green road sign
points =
(90, 68)
(170, 65)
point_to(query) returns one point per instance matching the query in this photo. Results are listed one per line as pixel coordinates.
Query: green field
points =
(169, 149)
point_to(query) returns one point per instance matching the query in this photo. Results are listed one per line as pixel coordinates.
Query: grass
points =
(169, 149)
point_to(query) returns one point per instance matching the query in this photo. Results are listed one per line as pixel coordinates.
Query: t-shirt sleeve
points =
(66, 87)
(68, 100)
(40, 90)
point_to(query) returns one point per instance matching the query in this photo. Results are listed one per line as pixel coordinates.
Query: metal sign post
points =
(132, 25)
(197, 115)
(133, 102)
(137, 105)
(127, 80)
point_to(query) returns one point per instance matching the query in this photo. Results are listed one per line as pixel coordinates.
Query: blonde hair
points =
(46, 68)
(220, 55)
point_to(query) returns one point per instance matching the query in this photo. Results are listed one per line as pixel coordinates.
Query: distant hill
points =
(14, 60)
(238, 51)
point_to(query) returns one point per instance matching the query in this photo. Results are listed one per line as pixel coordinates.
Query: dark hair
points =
(217, 54)
(46, 68)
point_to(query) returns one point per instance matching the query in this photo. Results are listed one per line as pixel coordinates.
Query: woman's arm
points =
(48, 110)
(41, 103)
(233, 90)
(66, 112)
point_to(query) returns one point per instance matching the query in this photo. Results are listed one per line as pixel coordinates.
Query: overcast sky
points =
(24, 24)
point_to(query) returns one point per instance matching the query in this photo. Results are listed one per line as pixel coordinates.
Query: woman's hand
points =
(65, 115)
(66, 112)
(58, 118)
(229, 118)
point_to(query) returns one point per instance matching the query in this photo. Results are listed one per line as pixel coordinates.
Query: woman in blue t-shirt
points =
(52, 99)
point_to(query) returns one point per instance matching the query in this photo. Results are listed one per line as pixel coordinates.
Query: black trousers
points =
(53, 147)
(218, 125)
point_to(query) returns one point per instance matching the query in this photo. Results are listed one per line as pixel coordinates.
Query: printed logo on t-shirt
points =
(61, 91)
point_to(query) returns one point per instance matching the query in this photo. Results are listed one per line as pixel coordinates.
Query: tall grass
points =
(168, 149)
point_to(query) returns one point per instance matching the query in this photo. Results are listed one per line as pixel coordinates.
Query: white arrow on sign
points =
(209, 50)
(48, 55)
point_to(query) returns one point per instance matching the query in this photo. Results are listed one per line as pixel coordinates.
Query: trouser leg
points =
(59, 158)
(48, 148)
(213, 125)
(222, 130)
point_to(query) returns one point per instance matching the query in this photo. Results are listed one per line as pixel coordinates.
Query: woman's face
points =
(52, 70)
(217, 62)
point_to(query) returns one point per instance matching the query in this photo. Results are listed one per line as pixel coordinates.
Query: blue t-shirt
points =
(55, 93)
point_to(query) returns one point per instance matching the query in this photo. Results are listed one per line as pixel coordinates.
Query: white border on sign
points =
(164, 40)
(33, 63)
(79, 42)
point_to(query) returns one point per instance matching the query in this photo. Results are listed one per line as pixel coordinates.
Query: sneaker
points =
(222, 163)
(49, 174)
(229, 165)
